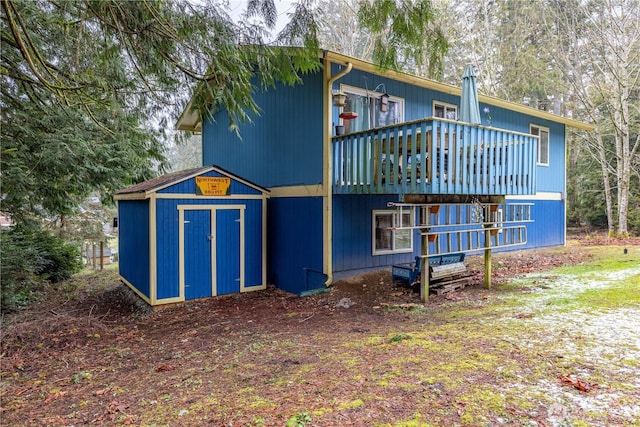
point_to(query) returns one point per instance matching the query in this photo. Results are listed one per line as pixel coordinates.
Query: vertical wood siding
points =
(282, 146)
(168, 250)
(352, 238)
(548, 228)
(133, 243)
(295, 243)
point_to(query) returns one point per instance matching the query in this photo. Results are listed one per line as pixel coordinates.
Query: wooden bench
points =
(447, 273)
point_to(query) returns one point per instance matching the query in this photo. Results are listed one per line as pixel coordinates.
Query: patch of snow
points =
(602, 342)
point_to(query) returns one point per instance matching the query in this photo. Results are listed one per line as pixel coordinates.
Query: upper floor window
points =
(444, 110)
(367, 105)
(543, 143)
(386, 238)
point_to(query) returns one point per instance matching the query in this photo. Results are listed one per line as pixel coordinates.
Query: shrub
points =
(31, 257)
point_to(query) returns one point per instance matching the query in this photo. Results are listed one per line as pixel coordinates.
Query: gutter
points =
(327, 212)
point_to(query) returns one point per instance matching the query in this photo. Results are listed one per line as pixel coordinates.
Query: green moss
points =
(416, 421)
(321, 411)
(354, 404)
(258, 402)
(621, 293)
(351, 361)
(400, 337)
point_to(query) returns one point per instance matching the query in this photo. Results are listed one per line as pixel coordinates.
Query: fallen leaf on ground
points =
(164, 368)
(524, 316)
(101, 392)
(115, 406)
(577, 383)
(54, 396)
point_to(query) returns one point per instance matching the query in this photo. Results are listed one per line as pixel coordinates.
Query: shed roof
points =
(144, 189)
(191, 120)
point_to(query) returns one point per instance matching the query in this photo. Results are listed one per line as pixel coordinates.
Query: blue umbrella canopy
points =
(469, 107)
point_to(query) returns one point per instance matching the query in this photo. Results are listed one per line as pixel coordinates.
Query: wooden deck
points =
(453, 158)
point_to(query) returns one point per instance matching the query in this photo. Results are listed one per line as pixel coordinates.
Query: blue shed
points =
(192, 234)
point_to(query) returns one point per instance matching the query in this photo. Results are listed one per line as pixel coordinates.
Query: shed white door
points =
(211, 252)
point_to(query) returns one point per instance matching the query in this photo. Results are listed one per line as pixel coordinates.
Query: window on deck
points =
(444, 110)
(543, 143)
(386, 240)
(367, 105)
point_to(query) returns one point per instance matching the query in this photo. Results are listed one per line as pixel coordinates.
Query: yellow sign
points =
(213, 186)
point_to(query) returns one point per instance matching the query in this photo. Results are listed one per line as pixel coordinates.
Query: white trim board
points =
(541, 195)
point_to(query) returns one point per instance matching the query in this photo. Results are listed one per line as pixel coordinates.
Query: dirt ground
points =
(365, 353)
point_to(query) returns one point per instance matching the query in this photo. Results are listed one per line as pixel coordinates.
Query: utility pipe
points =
(327, 212)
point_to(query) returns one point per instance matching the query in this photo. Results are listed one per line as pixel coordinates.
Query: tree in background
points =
(574, 58)
(406, 34)
(597, 48)
(88, 87)
(185, 155)
(340, 30)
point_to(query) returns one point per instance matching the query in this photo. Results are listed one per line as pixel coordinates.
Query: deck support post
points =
(424, 272)
(487, 259)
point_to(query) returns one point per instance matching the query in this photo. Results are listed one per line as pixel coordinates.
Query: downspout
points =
(327, 216)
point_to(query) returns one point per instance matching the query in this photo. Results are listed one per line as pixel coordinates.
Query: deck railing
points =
(435, 156)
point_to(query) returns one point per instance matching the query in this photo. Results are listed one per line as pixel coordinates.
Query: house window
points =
(386, 240)
(367, 104)
(543, 143)
(444, 110)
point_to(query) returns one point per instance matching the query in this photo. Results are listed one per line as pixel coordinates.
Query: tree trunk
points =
(623, 155)
(572, 177)
(605, 179)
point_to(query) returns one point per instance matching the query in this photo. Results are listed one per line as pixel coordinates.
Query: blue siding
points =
(133, 243)
(352, 234)
(553, 177)
(227, 251)
(283, 145)
(168, 250)
(197, 250)
(352, 227)
(167, 255)
(548, 228)
(418, 101)
(295, 243)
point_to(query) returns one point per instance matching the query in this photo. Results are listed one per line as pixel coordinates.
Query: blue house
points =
(367, 169)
